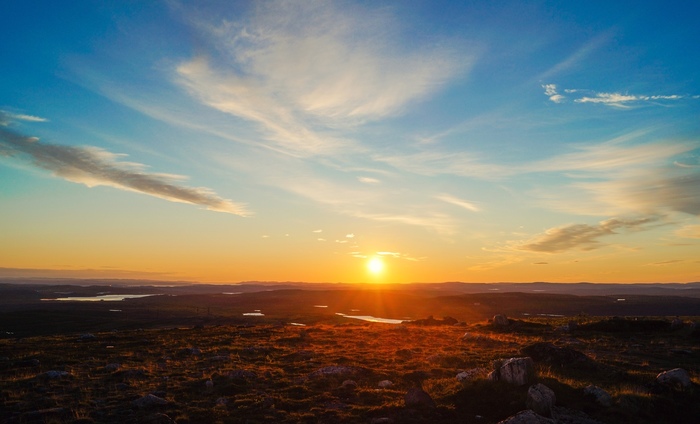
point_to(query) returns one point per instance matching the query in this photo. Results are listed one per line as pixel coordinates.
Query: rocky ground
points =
(539, 371)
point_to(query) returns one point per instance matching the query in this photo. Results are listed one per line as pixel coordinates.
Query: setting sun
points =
(375, 265)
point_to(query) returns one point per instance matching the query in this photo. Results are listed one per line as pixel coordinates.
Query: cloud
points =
(579, 55)
(581, 236)
(317, 231)
(550, 90)
(689, 231)
(368, 180)
(669, 262)
(93, 166)
(302, 70)
(615, 99)
(351, 235)
(458, 202)
(7, 117)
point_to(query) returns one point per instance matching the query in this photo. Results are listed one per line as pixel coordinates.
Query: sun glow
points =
(375, 266)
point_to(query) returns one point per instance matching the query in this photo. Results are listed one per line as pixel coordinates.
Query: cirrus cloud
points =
(93, 166)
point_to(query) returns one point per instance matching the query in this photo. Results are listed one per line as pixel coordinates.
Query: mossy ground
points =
(265, 373)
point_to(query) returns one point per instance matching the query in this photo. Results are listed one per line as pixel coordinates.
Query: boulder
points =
(418, 398)
(349, 384)
(600, 396)
(516, 371)
(333, 370)
(675, 379)
(149, 401)
(554, 355)
(53, 374)
(526, 417)
(470, 375)
(500, 321)
(112, 367)
(385, 384)
(541, 399)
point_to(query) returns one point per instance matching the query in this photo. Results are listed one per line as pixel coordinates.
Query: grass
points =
(266, 373)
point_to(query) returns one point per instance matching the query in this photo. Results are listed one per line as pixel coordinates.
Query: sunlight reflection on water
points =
(106, 298)
(372, 319)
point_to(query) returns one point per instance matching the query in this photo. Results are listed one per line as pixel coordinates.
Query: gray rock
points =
(149, 401)
(333, 370)
(349, 384)
(53, 374)
(677, 379)
(112, 367)
(500, 320)
(601, 397)
(87, 337)
(470, 375)
(541, 399)
(242, 375)
(418, 398)
(385, 384)
(526, 417)
(516, 371)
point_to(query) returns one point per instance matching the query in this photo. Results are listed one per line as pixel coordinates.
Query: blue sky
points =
(230, 141)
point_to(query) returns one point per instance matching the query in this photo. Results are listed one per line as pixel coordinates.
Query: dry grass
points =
(270, 373)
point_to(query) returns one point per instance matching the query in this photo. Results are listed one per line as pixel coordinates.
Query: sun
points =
(375, 265)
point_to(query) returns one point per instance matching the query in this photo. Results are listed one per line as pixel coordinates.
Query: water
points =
(254, 314)
(104, 297)
(370, 318)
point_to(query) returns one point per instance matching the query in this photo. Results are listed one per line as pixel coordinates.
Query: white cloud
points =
(550, 90)
(302, 70)
(93, 166)
(368, 180)
(351, 235)
(458, 202)
(7, 117)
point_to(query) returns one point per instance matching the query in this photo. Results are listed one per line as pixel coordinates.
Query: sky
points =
(350, 141)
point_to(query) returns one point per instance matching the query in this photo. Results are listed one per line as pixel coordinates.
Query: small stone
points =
(601, 397)
(385, 384)
(526, 417)
(500, 321)
(676, 379)
(149, 401)
(112, 367)
(541, 399)
(53, 374)
(516, 371)
(418, 398)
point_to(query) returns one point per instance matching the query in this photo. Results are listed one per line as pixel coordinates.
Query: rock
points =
(418, 398)
(470, 375)
(541, 399)
(333, 370)
(526, 417)
(675, 379)
(87, 337)
(601, 397)
(676, 324)
(385, 384)
(222, 401)
(554, 355)
(349, 384)
(500, 321)
(159, 419)
(112, 367)
(242, 375)
(149, 401)
(194, 351)
(209, 384)
(516, 371)
(53, 374)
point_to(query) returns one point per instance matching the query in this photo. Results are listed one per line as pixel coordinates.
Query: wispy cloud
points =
(689, 231)
(93, 166)
(302, 70)
(616, 99)
(458, 202)
(578, 56)
(581, 236)
(7, 117)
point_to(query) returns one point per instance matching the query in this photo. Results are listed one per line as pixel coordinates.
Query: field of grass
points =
(278, 372)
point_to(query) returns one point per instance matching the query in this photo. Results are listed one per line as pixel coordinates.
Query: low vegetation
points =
(330, 372)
